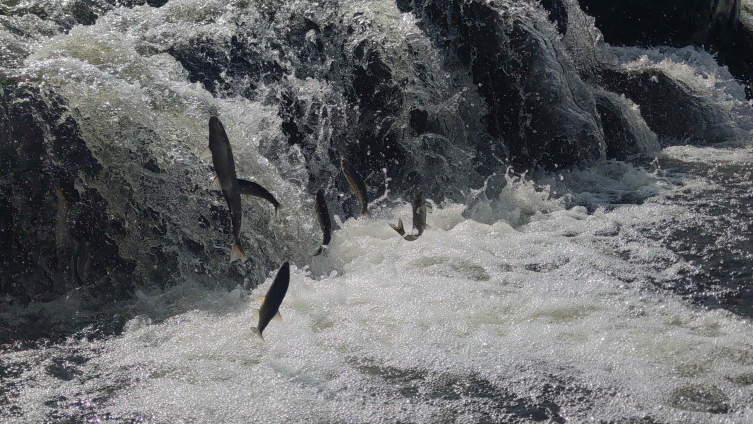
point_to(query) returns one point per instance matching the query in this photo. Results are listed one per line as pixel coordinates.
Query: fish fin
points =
(237, 252)
(318, 251)
(257, 333)
(255, 312)
(246, 187)
(277, 316)
(261, 299)
(399, 227)
(216, 184)
(206, 153)
(427, 226)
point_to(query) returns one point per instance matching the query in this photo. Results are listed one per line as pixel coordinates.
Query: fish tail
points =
(278, 206)
(399, 227)
(365, 213)
(257, 332)
(318, 251)
(237, 251)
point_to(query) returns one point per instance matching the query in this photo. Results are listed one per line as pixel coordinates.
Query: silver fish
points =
(419, 219)
(419, 213)
(270, 304)
(224, 166)
(322, 215)
(357, 186)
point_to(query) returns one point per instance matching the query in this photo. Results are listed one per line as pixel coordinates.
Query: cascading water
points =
(583, 264)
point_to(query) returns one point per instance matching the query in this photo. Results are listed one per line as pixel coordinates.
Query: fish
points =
(322, 215)
(270, 304)
(224, 166)
(419, 219)
(357, 186)
(250, 188)
(419, 214)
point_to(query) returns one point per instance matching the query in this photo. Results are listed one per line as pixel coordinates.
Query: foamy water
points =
(541, 302)
(557, 317)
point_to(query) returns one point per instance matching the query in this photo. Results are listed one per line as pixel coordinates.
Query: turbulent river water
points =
(615, 292)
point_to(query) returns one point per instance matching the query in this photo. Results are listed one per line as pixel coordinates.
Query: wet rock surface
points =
(625, 132)
(715, 25)
(529, 85)
(84, 225)
(692, 119)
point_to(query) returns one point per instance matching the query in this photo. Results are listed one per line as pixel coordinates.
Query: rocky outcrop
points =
(92, 220)
(693, 118)
(652, 79)
(538, 108)
(625, 131)
(56, 233)
(715, 25)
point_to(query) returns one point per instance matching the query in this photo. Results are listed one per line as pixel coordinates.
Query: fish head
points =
(419, 201)
(217, 131)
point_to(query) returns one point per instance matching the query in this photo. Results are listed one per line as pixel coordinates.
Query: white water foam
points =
(565, 297)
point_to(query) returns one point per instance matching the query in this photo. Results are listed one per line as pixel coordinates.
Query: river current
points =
(618, 292)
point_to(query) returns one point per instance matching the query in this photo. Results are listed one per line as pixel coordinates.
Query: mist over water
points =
(611, 292)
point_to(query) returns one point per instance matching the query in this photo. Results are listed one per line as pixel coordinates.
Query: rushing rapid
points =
(544, 280)
(551, 314)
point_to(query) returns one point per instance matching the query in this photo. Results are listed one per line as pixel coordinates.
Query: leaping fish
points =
(419, 214)
(322, 215)
(224, 166)
(270, 304)
(357, 186)
(419, 219)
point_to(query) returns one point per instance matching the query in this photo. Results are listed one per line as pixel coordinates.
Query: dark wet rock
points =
(691, 119)
(91, 223)
(715, 25)
(557, 13)
(700, 399)
(55, 230)
(652, 22)
(625, 131)
(226, 65)
(538, 108)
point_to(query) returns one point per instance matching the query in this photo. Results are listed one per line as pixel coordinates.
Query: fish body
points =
(357, 186)
(419, 214)
(224, 167)
(322, 215)
(251, 188)
(271, 305)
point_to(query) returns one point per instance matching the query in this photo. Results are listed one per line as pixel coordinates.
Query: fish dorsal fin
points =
(260, 299)
(255, 312)
(277, 316)
(215, 184)
(206, 153)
